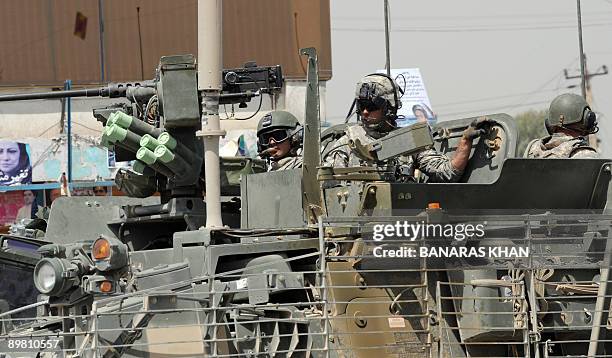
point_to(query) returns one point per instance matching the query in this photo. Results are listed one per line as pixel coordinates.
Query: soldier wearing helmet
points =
(377, 99)
(279, 140)
(570, 120)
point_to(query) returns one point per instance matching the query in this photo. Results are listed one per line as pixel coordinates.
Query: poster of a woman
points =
(15, 167)
(423, 113)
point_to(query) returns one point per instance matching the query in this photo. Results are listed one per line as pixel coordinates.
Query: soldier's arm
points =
(437, 166)
(338, 155)
(462, 154)
(473, 131)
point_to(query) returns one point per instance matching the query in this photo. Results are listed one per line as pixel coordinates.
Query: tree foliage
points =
(530, 125)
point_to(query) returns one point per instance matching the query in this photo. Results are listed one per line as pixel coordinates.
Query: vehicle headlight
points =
(53, 276)
(45, 278)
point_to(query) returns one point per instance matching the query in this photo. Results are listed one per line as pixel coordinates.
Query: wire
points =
(488, 16)
(476, 29)
(82, 125)
(48, 129)
(257, 111)
(138, 106)
(260, 98)
(487, 99)
(226, 115)
(402, 89)
(152, 106)
(52, 148)
(504, 108)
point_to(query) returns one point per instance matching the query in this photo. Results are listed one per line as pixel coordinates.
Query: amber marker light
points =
(106, 286)
(101, 249)
(433, 206)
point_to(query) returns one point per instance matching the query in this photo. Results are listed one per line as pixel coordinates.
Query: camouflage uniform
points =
(437, 166)
(287, 163)
(288, 124)
(560, 145)
(571, 112)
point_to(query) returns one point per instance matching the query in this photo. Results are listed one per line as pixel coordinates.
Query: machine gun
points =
(157, 130)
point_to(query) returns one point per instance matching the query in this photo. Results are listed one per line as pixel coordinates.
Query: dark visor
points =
(279, 135)
(366, 104)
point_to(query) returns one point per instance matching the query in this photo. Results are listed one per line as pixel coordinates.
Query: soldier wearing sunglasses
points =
(377, 99)
(279, 140)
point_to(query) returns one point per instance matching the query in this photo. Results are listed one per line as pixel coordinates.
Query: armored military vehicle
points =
(513, 260)
(319, 261)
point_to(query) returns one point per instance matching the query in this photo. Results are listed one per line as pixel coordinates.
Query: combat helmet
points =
(568, 109)
(281, 126)
(379, 91)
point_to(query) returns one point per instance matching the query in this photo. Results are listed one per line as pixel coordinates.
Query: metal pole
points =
(140, 43)
(101, 21)
(582, 65)
(387, 49)
(602, 304)
(324, 293)
(210, 54)
(67, 86)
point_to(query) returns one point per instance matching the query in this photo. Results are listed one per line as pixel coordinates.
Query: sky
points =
(476, 56)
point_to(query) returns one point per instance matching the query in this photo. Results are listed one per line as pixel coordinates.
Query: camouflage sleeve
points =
(338, 155)
(437, 166)
(529, 150)
(585, 153)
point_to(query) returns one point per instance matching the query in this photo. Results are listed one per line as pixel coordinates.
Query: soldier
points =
(279, 140)
(569, 120)
(377, 99)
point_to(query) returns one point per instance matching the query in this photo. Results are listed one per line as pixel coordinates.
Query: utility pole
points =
(587, 92)
(588, 95)
(585, 77)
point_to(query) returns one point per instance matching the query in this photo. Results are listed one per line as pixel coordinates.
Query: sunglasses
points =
(366, 104)
(279, 135)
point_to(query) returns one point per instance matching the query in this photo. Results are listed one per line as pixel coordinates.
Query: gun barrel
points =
(143, 90)
(89, 92)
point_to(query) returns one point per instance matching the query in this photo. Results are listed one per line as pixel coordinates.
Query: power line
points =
(488, 16)
(447, 24)
(487, 99)
(476, 29)
(489, 109)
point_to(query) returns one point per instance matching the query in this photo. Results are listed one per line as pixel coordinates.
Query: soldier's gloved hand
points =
(476, 128)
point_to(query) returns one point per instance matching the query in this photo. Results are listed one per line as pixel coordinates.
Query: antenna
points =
(582, 65)
(388, 55)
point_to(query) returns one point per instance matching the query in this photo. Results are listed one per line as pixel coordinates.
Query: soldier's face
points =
(371, 117)
(279, 150)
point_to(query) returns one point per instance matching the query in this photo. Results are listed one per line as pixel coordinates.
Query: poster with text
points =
(15, 164)
(416, 106)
